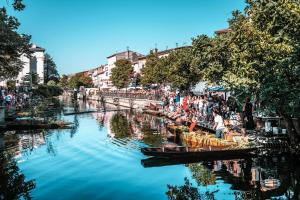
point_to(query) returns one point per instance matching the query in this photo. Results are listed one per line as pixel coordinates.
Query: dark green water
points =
(100, 159)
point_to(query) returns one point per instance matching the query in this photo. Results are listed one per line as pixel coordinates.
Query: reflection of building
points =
(34, 65)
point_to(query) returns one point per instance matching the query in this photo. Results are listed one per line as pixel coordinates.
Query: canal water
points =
(100, 158)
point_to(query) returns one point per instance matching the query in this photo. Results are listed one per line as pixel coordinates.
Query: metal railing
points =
(149, 96)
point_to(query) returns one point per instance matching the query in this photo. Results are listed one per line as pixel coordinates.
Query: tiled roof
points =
(159, 53)
(36, 48)
(222, 31)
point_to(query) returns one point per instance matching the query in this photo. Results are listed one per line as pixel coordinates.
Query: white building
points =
(35, 64)
(128, 55)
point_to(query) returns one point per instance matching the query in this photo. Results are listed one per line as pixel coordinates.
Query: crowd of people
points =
(9, 98)
(209, 109)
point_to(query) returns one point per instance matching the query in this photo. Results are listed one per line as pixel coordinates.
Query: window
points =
(106, 74)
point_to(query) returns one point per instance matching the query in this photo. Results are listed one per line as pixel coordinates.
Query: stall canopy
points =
(216, 89)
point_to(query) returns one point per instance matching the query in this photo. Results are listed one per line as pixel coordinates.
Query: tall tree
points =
(63, 81)
(80, 80)
(261, 56)
(12, 44)
(50, 69)
(181, 74)
(120, 75)
(155, 70)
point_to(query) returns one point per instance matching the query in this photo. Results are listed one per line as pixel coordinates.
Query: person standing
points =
(218, 124)
(248, 110)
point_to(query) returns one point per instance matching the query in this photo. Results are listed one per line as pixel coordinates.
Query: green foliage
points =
(12, 44)
(155, 70)
(11, 85)
(51, 83)
(260, 56)
(120, 75)
(18, 5)
(181, 73)
(47, 91)
(119, 126)
(80, 80)
(63, 81)
(31, 79)
(50, 69)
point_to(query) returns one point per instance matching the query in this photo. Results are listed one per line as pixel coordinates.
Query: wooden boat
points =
(196, 152)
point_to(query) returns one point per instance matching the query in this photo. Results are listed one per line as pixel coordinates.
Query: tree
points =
(63, 81)
(11, 85)
(12, 44)
(181, 74)
(50, 69)
(260, 56)
(120, 75)
(51, 83)
(80, 80)
(31, 79)
(155, 70)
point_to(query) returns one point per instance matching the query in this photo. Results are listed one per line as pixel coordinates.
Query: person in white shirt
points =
(218, 124)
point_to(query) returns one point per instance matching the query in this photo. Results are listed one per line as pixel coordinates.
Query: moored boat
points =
(196, 152)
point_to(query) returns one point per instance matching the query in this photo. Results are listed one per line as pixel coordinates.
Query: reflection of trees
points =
(12, 182)
(150, 138)
(120, 126)
(187, 192)
(48, 109)
(75, 126)
(202, 175)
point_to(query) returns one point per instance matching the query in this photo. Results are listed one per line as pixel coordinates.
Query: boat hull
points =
(189, 152)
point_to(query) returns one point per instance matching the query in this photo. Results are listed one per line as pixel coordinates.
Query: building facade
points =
(32, 65)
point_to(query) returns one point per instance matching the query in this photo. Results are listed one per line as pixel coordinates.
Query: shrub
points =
(48, 90)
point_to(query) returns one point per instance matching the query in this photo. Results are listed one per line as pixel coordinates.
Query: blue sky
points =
(80, 34)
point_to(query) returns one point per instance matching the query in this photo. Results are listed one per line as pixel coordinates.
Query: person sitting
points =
(218, 124)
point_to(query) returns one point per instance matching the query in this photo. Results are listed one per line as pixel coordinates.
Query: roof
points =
(159, 53)
(120, 53)
(36, 48)
(222, 31)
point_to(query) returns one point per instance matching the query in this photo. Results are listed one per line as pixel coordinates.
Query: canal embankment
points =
(125, 102)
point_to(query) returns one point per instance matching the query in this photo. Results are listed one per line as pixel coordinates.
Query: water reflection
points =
(259, 178)
(109, 152)
(188, 192)
(12, 182)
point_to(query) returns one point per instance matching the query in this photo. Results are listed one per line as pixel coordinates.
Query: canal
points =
(100, 158)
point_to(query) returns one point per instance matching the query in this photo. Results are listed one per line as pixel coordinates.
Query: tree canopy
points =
(120, 75)
(12, 44)
(154, 70)
(80, 80)
(50, 69)
(259, 57)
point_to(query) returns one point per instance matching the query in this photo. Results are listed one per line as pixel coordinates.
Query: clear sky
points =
(80, 34)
